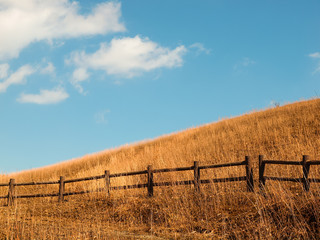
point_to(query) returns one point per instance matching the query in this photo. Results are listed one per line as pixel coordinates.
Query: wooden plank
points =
(38, 195)
(283, 179)
(4, 184)
(128, 174)
(142, 185)
(305, 174)
(249, 174)
(175, 183)
(36, 183)
(223, 165)
(282, 162)
(315, 180)
(150, 180)
(313, 162)
(84, 179)
(1, 197)
(218, 180)
(172, 169)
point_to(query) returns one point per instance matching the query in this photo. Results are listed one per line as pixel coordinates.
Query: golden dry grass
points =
(223, 210)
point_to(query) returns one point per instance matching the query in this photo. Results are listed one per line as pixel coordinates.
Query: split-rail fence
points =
(150, 184)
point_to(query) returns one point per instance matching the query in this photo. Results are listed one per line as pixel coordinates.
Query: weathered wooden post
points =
(262, 165)
(150, 180)
(107, 179)
(249, 174)
(305, 169)
(11, 192)
(196, 176)
(61, 189)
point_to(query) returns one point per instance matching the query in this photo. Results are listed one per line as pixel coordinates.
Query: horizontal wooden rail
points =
(281, 162)
(232, 179)
(127, 174)
(223, 165)
(36, 183)
(38, 195)
(4, 184)
(172, 169)
(305, 163)
(284, 179)
(83, 179)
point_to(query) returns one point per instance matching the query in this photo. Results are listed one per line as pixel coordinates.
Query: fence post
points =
(150, 180)
(305, 169)
(61, 189)
(196, 176)
(249, 174)
(11, 192)
(107, 179)
(262, 165)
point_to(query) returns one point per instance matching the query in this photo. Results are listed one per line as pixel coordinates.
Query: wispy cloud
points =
(316, 55)
(199, 47)
(128, 57)
(18, 77)
(245, 62)
(100, 117)
(79, 75)
(24, 22)
(45, 96)
(4, 70)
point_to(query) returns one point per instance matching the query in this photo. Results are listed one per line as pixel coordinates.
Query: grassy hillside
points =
(222, 210)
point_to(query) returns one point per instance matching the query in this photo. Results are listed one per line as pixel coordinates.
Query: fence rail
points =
(305, 163)
(150, 184)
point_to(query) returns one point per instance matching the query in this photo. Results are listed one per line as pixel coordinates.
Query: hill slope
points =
(285, 132)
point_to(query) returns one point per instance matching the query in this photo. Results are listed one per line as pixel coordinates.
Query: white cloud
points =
(129, 57)
(4, 70)
(100, 117)
(45, 96)
(78, 76)
(200, 48)
(316, 55)
(18, 77)
(245, 62)
(49, 69)
(25, 21)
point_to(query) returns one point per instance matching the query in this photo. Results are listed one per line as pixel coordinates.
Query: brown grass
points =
(221, 211)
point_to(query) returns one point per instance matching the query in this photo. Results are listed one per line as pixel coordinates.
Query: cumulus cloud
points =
(78, 76)
(45, 96)
(27, 21)
(18, 77)
(316, 55)
(128, 57)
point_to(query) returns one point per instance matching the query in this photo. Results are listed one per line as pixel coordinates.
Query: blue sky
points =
(81, 77)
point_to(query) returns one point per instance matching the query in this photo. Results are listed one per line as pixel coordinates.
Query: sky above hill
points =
(77, 77)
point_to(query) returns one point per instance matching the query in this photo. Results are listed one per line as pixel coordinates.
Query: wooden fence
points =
(150, 184)
(305, 163)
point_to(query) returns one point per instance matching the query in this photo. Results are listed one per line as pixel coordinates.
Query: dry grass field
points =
(220, 211)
